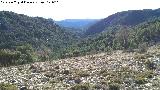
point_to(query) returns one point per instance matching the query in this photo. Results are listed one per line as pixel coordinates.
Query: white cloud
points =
(79, 8)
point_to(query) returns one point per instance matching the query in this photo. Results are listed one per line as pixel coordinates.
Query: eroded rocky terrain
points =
(106, 71)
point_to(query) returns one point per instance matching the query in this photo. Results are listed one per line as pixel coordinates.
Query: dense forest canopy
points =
(43, 35)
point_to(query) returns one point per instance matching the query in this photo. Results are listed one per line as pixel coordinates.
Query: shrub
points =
(114, 86)
(142, 48)
(129, 50)
(140, 80)
(150, 65)
(77, 80)
(84, 86)
(66, 72)
(82, 73)
(7, 87)
(140, 56)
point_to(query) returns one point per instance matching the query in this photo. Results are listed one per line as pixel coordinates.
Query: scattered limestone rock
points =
(100, 70)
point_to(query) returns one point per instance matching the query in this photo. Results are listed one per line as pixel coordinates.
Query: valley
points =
(119, 52)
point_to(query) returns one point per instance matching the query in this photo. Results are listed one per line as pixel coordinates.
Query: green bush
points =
(150, 65)
(7, 87)
(140, 80)
(82, 73)
(114, 86)
(17, 55)
(142, 48)
(84, 86)
(8, 57)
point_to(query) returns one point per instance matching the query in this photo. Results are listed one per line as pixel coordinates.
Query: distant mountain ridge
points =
(76, 23)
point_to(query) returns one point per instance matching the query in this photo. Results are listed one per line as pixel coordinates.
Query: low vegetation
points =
(7, 86)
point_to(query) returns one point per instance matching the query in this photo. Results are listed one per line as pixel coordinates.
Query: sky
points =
(77, 9)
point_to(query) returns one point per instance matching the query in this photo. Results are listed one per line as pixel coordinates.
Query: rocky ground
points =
(117, 70)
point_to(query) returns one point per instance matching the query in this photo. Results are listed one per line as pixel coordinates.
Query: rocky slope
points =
(117, 70)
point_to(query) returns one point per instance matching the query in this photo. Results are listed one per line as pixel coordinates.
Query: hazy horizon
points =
(78, 9)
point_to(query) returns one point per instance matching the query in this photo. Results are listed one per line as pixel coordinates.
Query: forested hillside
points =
(119, 38)
(125, 18)
(20, 36)
(25, 39)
